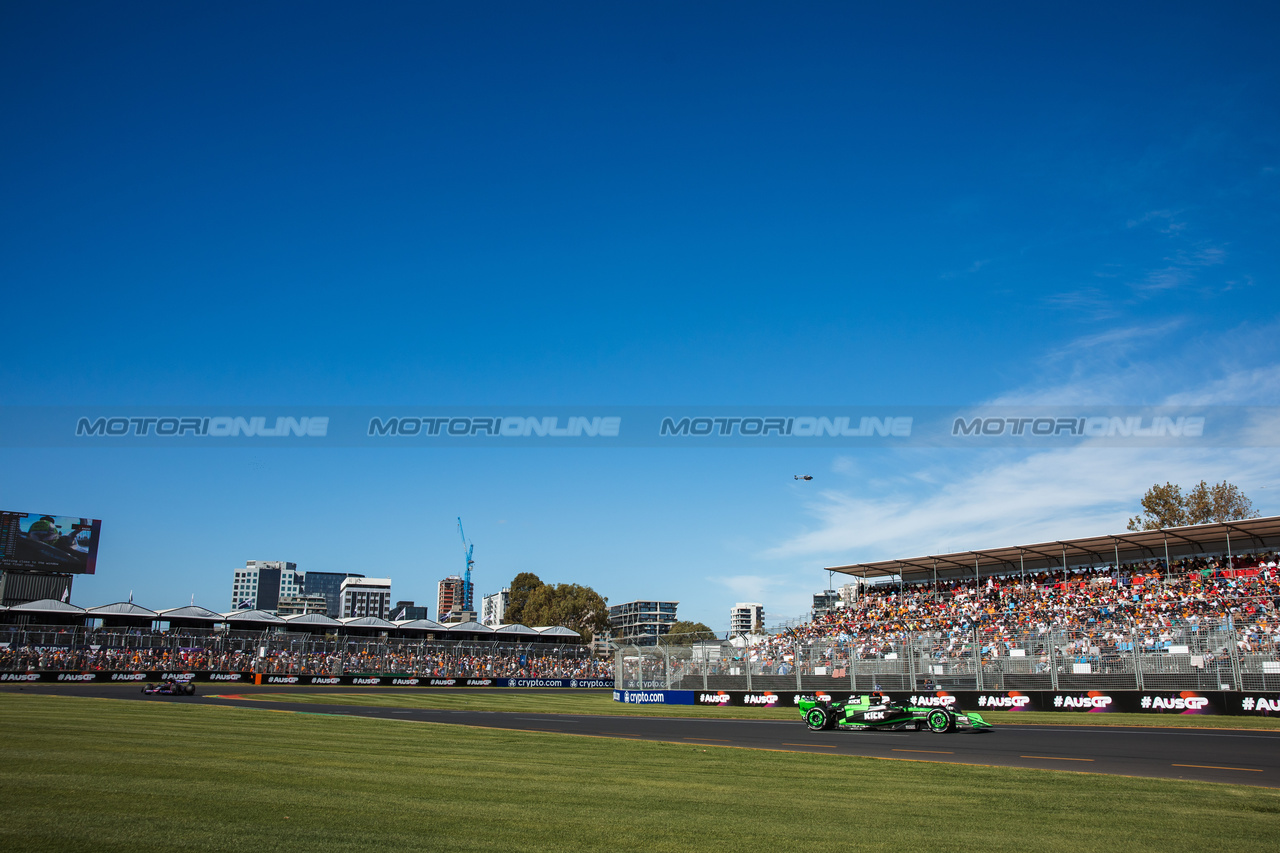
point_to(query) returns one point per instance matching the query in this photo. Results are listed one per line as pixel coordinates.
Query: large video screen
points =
(30, 541)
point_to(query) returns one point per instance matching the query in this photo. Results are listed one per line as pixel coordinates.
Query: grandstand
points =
(58, 637)
(1189, 608)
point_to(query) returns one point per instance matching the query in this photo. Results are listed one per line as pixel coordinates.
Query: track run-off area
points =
(1235, 756)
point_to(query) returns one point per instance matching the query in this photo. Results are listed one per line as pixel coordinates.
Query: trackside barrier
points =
(1092, 701)
(354, 679)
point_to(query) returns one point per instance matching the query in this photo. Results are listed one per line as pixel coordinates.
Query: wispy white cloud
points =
(1039, 497)
(783, 595)
(1010, 497)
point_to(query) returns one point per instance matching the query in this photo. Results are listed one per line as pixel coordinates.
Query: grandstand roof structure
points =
(47, 605)
(558, 631)
(1225, 537)
(122, 608)
(419, 625)
(515, 629)
(253, 617)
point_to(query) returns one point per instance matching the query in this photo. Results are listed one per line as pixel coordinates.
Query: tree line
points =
(1167, 506)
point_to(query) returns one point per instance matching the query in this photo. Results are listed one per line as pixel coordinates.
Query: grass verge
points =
(102, 775)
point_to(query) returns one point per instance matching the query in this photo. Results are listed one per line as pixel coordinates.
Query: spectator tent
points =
(366, 626)
(192, 617)
(1162, 545)
(122, 614)
(515, 633)
(559, 634)
(471, 631)
(312, 623)
(46, 611)
(252, 620)
(420, 629)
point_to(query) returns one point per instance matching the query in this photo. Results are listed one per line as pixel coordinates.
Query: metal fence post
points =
(1234, 648)
(746, 660)
(1053, 661)
(795, 661)
(666, 668)
(977, 657)
(1137, 661)
(853, 669)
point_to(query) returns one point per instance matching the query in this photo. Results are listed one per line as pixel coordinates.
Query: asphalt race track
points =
(1207, 755)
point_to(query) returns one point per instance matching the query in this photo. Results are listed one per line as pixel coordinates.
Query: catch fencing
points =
(1211, 656)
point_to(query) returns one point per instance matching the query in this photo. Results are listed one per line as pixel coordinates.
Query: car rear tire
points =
(818, 719)
(939, 721)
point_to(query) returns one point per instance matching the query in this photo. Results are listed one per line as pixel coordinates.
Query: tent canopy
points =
(257, 617)
(47, 605)
(190, 613)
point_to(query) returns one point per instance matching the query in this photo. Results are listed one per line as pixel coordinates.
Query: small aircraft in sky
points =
(803, 477)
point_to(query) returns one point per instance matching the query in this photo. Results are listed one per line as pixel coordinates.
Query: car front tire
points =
(817, 719)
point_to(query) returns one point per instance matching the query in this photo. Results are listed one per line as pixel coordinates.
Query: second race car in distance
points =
(877, 711)
(171, 687)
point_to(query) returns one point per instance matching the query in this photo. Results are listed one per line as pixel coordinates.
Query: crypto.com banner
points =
(651, 426)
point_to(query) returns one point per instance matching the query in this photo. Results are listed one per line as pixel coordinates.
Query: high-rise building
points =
(303, 604)
(365, 597)
(825, 602)
(640, 623)
(408, 610)
(262, 583)
(451, 597)
(328, 584)
(493, 608)
(746, 618)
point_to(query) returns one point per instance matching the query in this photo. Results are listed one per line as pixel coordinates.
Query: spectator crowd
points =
(1098, 610)
(315, 659)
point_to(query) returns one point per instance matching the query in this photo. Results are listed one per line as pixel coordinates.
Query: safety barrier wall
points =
(1184, 702)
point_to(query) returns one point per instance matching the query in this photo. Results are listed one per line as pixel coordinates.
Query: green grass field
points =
(104, 775)
(600, 702)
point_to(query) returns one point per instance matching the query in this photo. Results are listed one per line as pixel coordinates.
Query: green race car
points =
(879, 712)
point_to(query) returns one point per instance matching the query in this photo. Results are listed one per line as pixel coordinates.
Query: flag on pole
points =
(131, 596)
(66, 594)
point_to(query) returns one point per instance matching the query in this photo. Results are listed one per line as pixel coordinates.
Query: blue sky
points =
(631, 204)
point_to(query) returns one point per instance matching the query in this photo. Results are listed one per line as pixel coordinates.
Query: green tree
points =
(1166, 506)
(1223, 502)
(578, 608)
(686, 633)
(523, 585)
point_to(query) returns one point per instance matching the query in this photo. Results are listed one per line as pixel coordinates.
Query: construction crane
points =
(466, 578)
